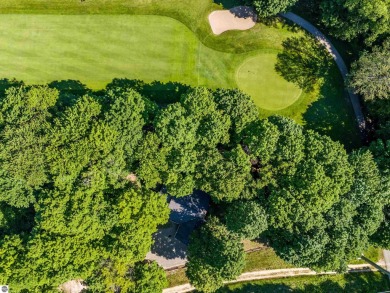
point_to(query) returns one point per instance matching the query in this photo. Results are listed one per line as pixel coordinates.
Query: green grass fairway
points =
(257, 77)
(97, 48)
(96, 40)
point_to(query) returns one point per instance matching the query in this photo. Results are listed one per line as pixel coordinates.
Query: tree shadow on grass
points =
(6, 83)
(332, 113)
(227, 4)
(305, 62)
(159, 92)
(70, 91)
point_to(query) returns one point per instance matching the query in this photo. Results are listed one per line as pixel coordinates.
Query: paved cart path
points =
(339, 61)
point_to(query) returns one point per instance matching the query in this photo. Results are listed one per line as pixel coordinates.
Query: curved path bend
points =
(339, 61)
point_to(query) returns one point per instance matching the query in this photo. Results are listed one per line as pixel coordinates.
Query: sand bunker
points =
(237, 18)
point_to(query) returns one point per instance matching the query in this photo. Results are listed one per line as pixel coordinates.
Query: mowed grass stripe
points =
(97, 48)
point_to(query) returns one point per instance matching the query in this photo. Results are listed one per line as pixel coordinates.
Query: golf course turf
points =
(95, 41)
(97, 48)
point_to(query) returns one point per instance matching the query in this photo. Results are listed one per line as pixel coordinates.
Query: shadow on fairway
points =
(227, 4)
(70, 92)
(6, 83)
(160, 92)
(331, 116)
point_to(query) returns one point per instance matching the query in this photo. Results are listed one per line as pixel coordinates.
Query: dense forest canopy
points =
(81, 170)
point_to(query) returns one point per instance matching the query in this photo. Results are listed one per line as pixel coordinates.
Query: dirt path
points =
(273, 274)
(339, 61)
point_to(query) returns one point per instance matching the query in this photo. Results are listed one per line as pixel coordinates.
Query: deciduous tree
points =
(370, 75)
(214, 255)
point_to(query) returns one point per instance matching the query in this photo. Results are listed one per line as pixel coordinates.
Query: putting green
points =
(97, 48)
(257, 77)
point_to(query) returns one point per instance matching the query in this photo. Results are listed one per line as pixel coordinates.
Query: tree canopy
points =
(303, 61)
(214, 255)
(370, 75)
(267, 8)
(357, 19)
(79, 181)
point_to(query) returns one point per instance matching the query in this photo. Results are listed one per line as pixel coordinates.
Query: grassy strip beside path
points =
(352, 282)
(264, 259)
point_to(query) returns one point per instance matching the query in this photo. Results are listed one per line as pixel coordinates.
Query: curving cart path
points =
(339, 61)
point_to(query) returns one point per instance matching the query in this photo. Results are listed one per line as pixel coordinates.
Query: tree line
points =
(80, 173)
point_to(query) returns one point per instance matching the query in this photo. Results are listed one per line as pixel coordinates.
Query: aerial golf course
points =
(156, 41)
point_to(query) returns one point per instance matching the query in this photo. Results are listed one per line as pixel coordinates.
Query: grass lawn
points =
(264, 259)
(372, 253)
(177, 277)
(95, 41)
(97, 48)
(353, 282)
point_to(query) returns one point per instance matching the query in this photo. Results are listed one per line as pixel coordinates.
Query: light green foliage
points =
(303, 61)
(150, 278)
(311, 184)
(354, 19)
(248, 219)
(267, 8)
(89, 244)
(370, 75)
(214, 255)
(86, 220)
(23, 125)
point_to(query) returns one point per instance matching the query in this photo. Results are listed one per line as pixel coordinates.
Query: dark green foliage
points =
(303, 61)
(76, 180)
(381, 152)
(320, 202)
(267, 8)
(370, 75)
(214, 255)
(247, 219)
(233, 166)
(336, 230)
(357, 19)
(239, 107)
